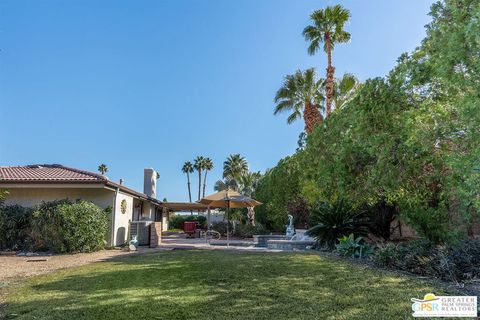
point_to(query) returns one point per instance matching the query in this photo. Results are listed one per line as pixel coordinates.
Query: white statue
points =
(290, 228)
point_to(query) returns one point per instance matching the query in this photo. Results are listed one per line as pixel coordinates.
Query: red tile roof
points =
(56, 173)
(47, 173)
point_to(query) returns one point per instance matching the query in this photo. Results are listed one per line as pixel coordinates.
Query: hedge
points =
(60, 226)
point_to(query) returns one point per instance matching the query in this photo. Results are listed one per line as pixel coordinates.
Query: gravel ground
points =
(15, 268)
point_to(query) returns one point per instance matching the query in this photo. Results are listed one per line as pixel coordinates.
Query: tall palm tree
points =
(301, 93)
(103, 168)
(328, 28)
(198, 165)
(187, 169)
(248, 182)
(220, 185)
(344, 89)
(207, 166)
(233, 168)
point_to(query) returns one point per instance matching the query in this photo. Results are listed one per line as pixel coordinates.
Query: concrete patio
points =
(179, 241)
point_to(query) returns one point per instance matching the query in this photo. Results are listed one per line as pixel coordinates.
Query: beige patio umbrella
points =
(229, 199)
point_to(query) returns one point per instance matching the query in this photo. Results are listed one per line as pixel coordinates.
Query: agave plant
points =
(334, 221)
(353, 247)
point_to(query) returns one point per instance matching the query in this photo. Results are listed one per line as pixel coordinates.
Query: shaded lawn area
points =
(217, 285)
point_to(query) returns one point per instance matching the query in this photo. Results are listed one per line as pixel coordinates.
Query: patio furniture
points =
(228, 199)
(190, 228)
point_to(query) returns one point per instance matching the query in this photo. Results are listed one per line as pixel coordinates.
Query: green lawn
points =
(216, 285)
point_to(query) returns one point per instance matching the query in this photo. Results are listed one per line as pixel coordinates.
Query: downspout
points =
(112, 237)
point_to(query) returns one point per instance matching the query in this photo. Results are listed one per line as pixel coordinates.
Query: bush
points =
(334, 221)
(452, 262)
(248, 231)
(432, 223)
(59, 226)
(221, 227)
(63, 226)
(386, 255)
(176, 222)
(353, 247)
(15, 227)
(463, 260)
(46, 225)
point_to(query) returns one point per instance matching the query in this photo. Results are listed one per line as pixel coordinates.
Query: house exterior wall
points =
(165, 216)
(122, 218)
(29, 197)
(148, 211)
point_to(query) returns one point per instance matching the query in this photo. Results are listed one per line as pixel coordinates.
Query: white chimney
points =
(150, 182)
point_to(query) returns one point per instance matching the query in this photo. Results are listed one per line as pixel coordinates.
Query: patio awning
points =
(184, 206)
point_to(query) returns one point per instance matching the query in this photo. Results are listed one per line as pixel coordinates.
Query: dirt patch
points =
(15, 268)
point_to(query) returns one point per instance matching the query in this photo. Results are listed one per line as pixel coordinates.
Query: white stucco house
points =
(132, 211)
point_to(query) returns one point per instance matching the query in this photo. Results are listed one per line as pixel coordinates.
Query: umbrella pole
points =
(208, 223)
(228, 209)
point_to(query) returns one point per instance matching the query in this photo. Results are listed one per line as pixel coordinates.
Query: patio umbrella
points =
(229, 199)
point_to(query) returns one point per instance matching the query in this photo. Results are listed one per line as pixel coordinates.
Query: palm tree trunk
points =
(204, 183)
(311, 116)
(189, 192)
(251, 216)
(199, 183)
(330, 74)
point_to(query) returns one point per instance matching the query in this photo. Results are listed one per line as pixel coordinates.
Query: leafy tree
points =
(406, 146)
(301, 93)
(452, 53)
(302, 141)
(277, 189)
(327, 28)
(103, 168)
(380, 148)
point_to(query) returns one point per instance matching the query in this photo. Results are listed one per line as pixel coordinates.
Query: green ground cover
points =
(216, 285)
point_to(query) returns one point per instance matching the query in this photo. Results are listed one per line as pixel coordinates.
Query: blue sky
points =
(137, 84)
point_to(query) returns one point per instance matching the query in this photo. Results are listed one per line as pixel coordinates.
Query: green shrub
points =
(176, 222)
(463, 260)
(15, 227)
(59, 226)
(386, 255)
(449, 262)
(353, 247)
(248, 231)
(63, 226)
(47, 225)
(432, 223)
(334, 221)
(221, 227)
